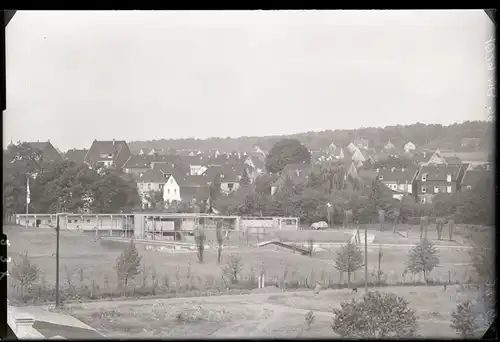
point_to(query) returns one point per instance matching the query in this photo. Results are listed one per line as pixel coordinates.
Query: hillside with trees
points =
(422, 135)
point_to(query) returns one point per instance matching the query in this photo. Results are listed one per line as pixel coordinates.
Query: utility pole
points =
(366, 258)
(57, 261)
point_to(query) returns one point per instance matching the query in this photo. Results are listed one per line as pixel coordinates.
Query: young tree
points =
(220, 240)
(423, 257)
(245, 178)
(310, 246)
(377, 315)
(233, 268)
(379, 259)
(128, 264)
(200, 239)
(349, 259)
(463, 320)
(25, 273)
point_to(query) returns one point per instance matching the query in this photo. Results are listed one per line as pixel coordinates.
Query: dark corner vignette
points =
(5, 331)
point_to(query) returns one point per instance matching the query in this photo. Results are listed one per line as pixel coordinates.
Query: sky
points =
(73, 77)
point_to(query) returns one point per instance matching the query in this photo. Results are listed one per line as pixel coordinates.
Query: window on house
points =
(436, 189)
(69, 221)
(424, 188)
(381, 177)
(149, 186)
(448, 178)
(230, 186)
(168, 191)
(424, 178)
(175, 191)
(88, 221)
(448, 189)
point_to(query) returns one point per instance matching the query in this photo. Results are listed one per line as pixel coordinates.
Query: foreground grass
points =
(272, 315)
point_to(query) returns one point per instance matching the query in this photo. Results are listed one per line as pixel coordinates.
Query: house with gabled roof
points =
(352, 147)
(399, 180)
(439, 159)
(144, 151)
(75, 155)
(389, 146)
(191, 188)
(438, 178)
(49, 152)
(114, 153)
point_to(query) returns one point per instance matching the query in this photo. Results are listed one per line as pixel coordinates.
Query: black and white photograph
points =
(250, 174)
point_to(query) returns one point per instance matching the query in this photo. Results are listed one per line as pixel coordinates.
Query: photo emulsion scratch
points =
(263, 174)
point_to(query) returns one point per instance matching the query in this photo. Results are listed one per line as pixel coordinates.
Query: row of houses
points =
(187, 175)
(178, 176)
(421, 179)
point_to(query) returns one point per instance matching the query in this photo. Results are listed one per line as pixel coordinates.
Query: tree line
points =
(62, 186)
(430, 136)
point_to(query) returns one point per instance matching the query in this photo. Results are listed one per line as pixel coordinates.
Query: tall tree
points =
(423, 257)
(284, 152)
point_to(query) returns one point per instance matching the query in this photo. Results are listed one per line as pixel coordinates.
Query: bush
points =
(463, 320)
(25, 273)
(377, 315)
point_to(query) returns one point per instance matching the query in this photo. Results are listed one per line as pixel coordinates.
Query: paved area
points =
(51, 324)
(51, 330)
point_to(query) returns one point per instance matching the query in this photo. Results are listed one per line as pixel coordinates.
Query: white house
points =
(358, 156)
(409, 146)
(389, 146)
(352, 148)
(171, 191)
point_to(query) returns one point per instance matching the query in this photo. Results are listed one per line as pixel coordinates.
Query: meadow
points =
(87, 266)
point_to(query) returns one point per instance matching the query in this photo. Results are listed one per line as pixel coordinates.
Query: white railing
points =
(22, 324)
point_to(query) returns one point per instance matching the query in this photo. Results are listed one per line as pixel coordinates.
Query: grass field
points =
(84, 262)
(257, 315)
